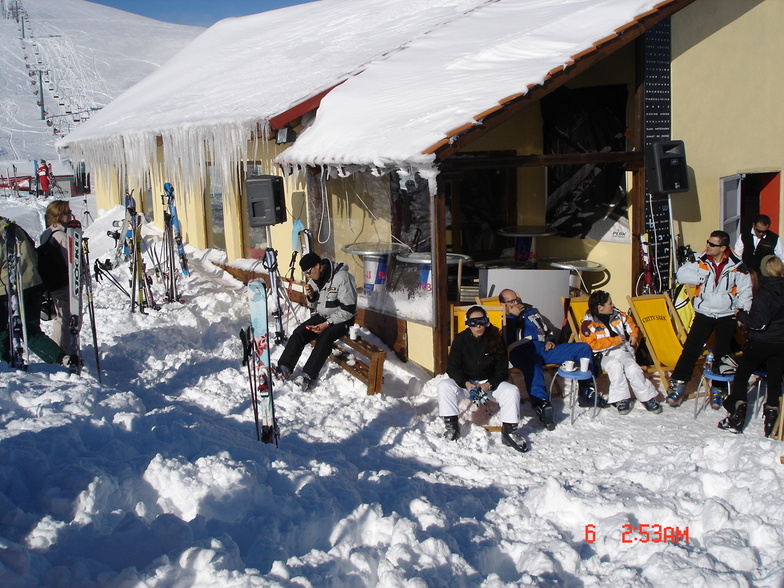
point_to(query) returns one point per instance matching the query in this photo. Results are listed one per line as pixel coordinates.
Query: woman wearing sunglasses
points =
(477, 367)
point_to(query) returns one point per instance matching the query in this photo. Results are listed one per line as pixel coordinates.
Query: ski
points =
(122, 246)
(271, 265)
(73, 231)
(261, 383)
(88, 286)
(175, 222)
(17, 333)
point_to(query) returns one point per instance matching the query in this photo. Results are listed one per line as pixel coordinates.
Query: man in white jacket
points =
(722, 285)
(332, 295)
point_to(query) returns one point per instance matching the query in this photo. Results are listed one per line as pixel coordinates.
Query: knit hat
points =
(308, 261)
(764, 265)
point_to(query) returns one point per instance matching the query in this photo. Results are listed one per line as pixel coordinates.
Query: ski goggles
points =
(478, 322)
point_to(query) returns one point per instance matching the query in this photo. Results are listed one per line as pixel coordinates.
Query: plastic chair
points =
(578, 307)
(496, 315)
(576, 375)
(706, 382)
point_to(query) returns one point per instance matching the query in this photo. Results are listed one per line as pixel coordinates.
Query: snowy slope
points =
(154, 478)
(88, 55)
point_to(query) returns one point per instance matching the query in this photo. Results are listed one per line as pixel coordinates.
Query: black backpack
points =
(52, 266)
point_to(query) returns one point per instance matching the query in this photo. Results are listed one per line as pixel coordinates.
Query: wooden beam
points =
(631, 159)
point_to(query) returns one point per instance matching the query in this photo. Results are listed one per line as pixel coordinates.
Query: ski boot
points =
(624, 406)
(736, 420)
(771, 414)
(509, 439)
(652, 406)
(303, 382)
(452, 432)
(675, 393)
(546, 414)
(587, 396)
(717, 397)
(282, 372)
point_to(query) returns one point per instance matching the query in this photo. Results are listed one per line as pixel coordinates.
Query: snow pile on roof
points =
(401, 106)
(224, 87)
(88, 55)
(413, 70)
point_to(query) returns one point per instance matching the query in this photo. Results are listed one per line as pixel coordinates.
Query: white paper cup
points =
(584, 361)
(353, 332)
(568, 366)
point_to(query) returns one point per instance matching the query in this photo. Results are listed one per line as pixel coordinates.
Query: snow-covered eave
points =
(490, 118)
(426, 154)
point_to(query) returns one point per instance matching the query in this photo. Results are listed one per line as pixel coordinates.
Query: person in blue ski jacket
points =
(531, 344)
(332, 295)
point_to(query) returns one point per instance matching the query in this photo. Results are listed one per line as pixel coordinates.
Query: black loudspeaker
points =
(266, 200)
(665, 166)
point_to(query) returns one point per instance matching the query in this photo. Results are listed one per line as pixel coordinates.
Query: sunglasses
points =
(513, 301)
(713, 244)
(478, 322)
(762, 232)
(307, 271)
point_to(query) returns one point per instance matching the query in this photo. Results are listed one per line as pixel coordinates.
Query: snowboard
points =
(261, 385)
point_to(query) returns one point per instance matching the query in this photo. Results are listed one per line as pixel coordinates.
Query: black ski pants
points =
(302, 336)
(700, 332)
(757, 354)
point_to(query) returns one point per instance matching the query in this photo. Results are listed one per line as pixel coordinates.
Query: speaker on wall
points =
(665, 167)
(266, 200)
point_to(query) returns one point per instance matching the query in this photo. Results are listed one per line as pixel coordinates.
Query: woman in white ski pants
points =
(506, 395)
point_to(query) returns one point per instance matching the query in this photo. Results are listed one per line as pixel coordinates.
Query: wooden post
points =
(441, 331)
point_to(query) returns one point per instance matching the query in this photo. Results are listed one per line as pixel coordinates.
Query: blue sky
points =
(196, 12)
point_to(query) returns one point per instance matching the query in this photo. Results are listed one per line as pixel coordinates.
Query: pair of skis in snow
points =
(79, 284)
(256, 357)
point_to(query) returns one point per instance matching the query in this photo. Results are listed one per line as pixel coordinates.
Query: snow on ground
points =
(155, 478)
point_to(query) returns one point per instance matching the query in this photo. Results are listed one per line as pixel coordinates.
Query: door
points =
(730, 205)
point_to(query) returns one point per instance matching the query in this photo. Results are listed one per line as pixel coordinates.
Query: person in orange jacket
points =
(613, 335)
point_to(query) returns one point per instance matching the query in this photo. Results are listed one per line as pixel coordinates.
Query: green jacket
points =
(29, 261)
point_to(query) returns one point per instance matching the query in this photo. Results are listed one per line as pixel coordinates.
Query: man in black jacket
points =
(477, 367)
(758, 242)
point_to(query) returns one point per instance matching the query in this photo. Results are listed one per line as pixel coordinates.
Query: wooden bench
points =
(365, 361)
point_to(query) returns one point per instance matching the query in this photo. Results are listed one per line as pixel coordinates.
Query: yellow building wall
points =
(523, 133)
(727, 93)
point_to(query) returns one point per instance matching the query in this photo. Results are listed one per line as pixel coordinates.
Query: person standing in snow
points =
(723, 286)
(477, 367)
(32, 291)
(58, 213)
(43, 178)
(613, 335)
(332, 295)
(765, 347)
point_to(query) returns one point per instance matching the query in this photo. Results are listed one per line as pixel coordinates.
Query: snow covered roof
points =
(413, 72)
